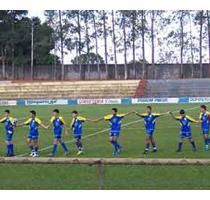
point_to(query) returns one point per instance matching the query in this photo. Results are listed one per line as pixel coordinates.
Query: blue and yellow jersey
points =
(205, 120)
(185, 123)
(33, 124)
(115, 121)
(8, 123)
(57, 123)
(76, 124)
(150, 120)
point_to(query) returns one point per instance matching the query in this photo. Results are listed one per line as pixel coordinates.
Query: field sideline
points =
(96, 145)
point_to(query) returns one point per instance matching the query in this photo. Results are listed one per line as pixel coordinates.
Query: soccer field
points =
(60, 176)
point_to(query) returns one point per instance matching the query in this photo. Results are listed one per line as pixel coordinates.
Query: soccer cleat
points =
(35, 155)
(79, 152)
(119, 149)
(115, 153)
(145, 152)
(178, 150)
(206, 147)
(31, 154)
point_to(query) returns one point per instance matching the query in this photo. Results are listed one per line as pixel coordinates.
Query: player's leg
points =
(153, 143)
(206, 139)
(192, 143)
(147, 141)
(8, 148)
(65, 149)
(180, 144)
(55, 145)
(9, 144)
(113, 141)
(78, 142)
(36, 147)
(30, 145)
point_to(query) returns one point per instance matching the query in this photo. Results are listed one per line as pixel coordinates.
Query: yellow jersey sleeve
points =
(52, 119)
(190, 118)
(156, 114)
(81, 118)
(27, 121)
(11, 119)
(62, 120)
(38, 120)
(178, 117)
(121, 115)
(107, 117)
(143, 114)
(200, 116)
(2, 120)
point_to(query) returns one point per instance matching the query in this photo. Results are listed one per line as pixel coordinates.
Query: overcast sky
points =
(120, 58)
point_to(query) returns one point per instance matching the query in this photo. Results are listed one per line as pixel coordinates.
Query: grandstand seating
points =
(178, 88)
(105, 89)
(77, 89)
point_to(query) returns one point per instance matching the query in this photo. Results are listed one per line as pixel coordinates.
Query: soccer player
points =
(58, 123)
(9, 124)
(76, 125)
(205, 122)
(33, 122)
(149, 122)
(115, 121)
(185, 131)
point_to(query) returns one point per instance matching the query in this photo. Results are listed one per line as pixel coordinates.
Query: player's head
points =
(32, 113)
(74, 114)
(55, 112)
(182, 112)
(149, 109)
(6, 113)
(203, 108)
(114, 111)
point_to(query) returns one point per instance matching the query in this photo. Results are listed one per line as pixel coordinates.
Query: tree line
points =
(104, 37)
(99, 36)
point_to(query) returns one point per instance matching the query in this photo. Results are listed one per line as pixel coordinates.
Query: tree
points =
(143, 29)
(123, 26)
(114, 42)
(62, 44)
(104, 19)
(92, 58)
(208, 22)
(97, 32)
(87, 18)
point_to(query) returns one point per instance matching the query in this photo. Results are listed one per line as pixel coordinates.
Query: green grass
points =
(32, 176)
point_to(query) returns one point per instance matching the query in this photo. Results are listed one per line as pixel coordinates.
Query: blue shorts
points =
(58, 134)
(150, 132)
(114, 133)
(78, 137)
(205, 131)
(33, 136)
(9, 135)
(186, 135)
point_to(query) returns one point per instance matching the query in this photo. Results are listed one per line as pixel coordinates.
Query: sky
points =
(120, 57)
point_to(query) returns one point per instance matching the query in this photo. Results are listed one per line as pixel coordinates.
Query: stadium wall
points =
(124, 101)
(73, 72)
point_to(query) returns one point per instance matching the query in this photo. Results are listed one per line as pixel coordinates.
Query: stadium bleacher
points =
(104, 89)
(178, 88)
(77, 89)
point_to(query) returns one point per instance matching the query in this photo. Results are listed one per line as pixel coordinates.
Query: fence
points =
(101, 162)
(92, 72)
